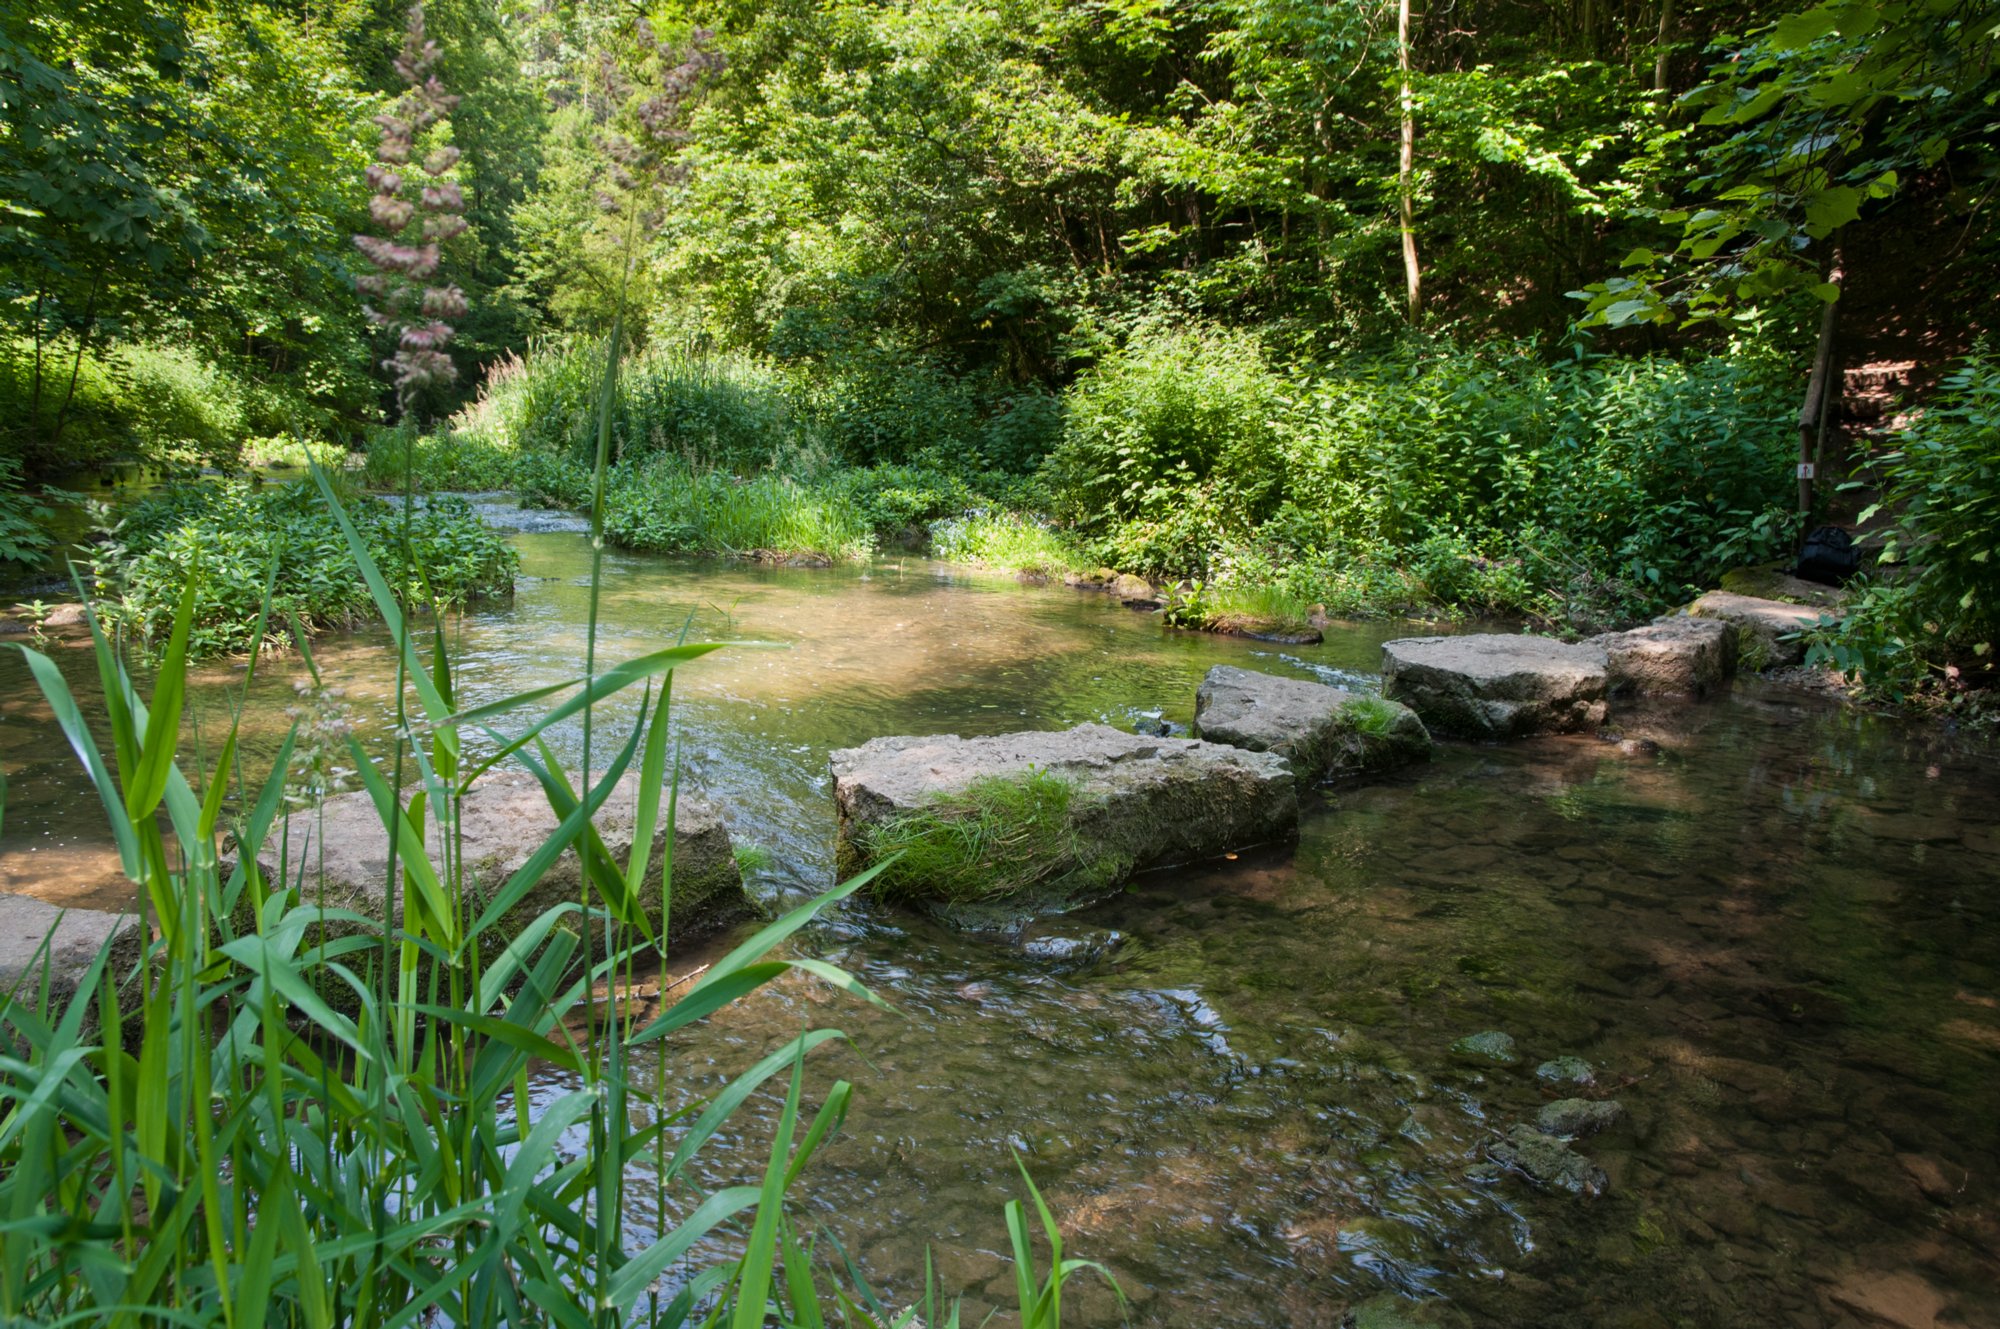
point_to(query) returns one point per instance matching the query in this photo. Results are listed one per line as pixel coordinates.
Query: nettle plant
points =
(416, 209)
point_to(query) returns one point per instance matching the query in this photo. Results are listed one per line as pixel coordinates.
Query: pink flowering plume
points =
(412, 214)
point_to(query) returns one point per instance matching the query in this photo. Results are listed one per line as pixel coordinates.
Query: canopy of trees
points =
(991, 192)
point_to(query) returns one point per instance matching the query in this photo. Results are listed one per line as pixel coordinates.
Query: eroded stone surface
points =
(1139, 802)
(340, 853)
(78, 935)
(1682, 655)
(1547, 1161)
(1492, 686)
(1574, 1117)
(1321, 730)
(1761, 626)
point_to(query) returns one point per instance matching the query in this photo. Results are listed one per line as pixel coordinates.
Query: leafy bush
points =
(23, 536)
(668, 507)
(224, 537)
(443, 461)
(1484, 479)
(1177, 416)
(1009, 541)
(140, 401)
(713, 409)
(1932, 610)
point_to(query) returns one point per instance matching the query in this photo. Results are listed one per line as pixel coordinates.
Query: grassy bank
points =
(1437, 478)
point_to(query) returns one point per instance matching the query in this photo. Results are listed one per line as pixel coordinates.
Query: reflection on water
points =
(1776, 944)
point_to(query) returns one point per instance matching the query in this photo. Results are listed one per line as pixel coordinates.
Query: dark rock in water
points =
(1489, 1045)
(1135, 592)
(1547, 1161)
(1495, 686)
(1575, 1117)
(1566, 1070)
(1131, 802)
(1100, 580)
(1070, 947)
(1321, 730)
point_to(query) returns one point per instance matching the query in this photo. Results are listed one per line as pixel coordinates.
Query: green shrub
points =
(667, 507)
(1176, 417)
(1007, 541)
(24, 537)
(225, 536)
(444, 461)
(1932, 610)
(1484, 479)
(136, 402)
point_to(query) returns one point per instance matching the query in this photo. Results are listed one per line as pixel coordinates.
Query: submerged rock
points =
(1069, 947)
(1493, 686)
(1761, 626)
(74, 937)
(1136, 592)
(1566, 1070)
(340, 853)
(1681, 655)
(1488, 1045)
(1574, 1117)
(1006, 828)
(1321, 730)
(1547, 1161)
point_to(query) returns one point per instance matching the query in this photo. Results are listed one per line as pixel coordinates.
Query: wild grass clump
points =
(439, 462)
(668, 507)
(722, 409)
(1371, 716)
(229, 539)
(1002, 836)
(1007, 541)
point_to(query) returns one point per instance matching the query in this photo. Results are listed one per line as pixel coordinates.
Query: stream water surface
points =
(1775, 941)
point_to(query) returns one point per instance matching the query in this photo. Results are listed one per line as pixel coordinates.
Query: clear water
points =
(1777, 942)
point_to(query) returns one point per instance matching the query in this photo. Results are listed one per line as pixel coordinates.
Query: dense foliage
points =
(1932, 608)
(228, 540)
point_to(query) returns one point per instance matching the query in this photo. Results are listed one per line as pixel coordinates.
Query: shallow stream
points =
(1776, 942)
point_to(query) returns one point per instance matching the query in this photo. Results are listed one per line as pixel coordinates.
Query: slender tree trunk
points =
(1660, 46)
(41, 346)
(1821, 392)
(1406, 169)
(76, 365)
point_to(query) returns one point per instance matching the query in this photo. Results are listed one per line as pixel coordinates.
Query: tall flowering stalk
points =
(415, 209)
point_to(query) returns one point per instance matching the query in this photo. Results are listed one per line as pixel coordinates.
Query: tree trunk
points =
(1821, 393)
(1406, 171)
(76, 365)
(1660, 46)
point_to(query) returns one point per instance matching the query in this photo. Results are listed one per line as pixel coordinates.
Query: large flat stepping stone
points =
(1322, 731)
(341, 853)
(1672, 656)
(79, 934)
(1490, 686)
(1000, 830)
(1761, 626)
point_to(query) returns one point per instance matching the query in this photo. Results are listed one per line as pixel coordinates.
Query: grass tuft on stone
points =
(1002, 836)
